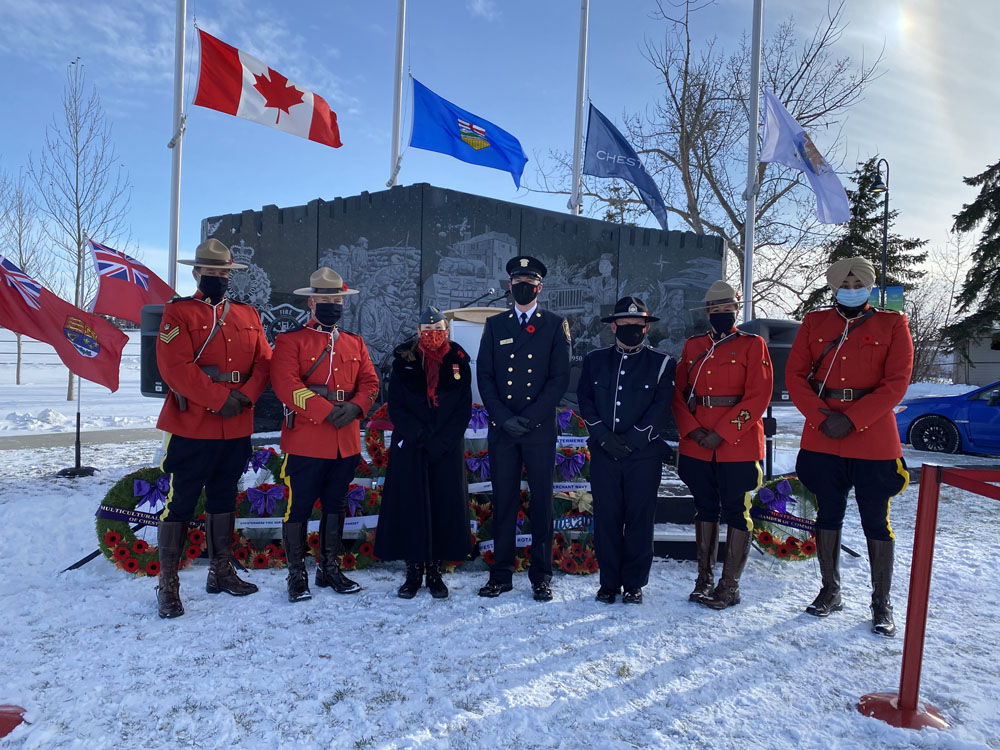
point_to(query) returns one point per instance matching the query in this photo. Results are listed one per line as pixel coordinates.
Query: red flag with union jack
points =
(125, 284)
(88, 345)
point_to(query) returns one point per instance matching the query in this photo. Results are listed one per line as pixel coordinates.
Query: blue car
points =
(968, 423)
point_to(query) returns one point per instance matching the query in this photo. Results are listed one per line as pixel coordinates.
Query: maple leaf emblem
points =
(277, 92)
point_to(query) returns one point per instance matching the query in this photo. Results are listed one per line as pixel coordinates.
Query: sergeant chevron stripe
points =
(167, 336)
(300, 396)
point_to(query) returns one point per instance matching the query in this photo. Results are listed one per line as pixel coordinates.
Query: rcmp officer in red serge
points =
(848, 369)
(327, 382)
(724, 382)
(523, 372)
(625, 392)
(213, 355)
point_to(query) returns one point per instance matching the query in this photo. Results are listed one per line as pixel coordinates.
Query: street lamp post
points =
(883, 187)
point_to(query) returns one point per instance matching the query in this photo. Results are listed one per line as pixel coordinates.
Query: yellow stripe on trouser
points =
(170, 494)
(888, 503)
(747, 496)
(288, 483)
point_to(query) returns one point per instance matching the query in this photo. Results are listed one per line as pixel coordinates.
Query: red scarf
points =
(433, 357)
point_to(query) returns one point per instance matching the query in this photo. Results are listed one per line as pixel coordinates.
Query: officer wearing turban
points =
(848, 369)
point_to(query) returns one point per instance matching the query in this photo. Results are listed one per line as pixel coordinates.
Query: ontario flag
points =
(233, 82)
(88, 345)
(125, 285)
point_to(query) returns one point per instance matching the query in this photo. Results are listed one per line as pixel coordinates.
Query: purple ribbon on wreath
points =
(354, 499)
(258, 459)
(570, 466)
(777, 499)
(563, 418)
(479, 419)
(262, 502)
(480, 465)
(154, 495)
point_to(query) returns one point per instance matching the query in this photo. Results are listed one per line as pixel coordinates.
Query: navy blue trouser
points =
(309, 479)
(625, 496)
(875, 483)
(721, 490)
(539, 459)
(193, 464)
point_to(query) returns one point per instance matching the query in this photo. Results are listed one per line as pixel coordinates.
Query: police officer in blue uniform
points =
(625, 392)
(523, 372)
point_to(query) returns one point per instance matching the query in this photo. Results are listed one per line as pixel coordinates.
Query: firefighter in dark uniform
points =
(327, 382)
(724, 381)
(625, 392)
(848, 369)
(523, 372)
(213, 355)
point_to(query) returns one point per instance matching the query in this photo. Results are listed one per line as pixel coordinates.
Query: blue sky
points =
(933, 113)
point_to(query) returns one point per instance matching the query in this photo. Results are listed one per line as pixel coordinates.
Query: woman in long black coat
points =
(424, 517)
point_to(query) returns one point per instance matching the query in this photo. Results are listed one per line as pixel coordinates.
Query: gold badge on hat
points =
(524, 262)
(633, 308)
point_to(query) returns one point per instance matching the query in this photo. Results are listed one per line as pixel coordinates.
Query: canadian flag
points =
(233, 82)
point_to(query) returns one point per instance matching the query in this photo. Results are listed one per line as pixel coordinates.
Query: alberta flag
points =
(786, 142)
(439, 125)
(125, 284)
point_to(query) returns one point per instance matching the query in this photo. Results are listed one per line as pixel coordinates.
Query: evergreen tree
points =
(979, 298)
(863, 236)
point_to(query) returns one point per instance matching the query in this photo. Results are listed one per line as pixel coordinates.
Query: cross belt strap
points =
(840, 394)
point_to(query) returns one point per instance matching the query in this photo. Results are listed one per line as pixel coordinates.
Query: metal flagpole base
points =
(885, 706)
(77, 471)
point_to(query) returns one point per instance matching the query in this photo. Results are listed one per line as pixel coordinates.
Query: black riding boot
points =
(222, 566)
(880, 555)
(434, 583)
(328, 573)
(170, 545)
(414, 579)
(294, 537)
(828, 552)
(727, 593)
(707, 540)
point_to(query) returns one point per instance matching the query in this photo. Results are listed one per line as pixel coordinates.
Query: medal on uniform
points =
(454, 372)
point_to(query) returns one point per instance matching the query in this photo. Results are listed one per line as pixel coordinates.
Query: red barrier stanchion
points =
(10, 717)
(903, 709)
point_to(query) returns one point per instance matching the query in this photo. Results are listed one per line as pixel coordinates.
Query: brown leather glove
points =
(698, 434)
(343, 414)
(232, 407)
(711, 440)
(837, 425)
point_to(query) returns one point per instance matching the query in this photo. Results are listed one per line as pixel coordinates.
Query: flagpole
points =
(179, 122)
(77, 470)
(751, 192)
(397, 94)
(575, 199)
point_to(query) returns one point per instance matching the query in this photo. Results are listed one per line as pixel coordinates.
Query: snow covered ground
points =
(86, 654)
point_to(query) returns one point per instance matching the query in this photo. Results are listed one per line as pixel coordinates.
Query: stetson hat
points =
(720, 293)
(630, 307)
(324, 281)
(212, 253)
(525, 265)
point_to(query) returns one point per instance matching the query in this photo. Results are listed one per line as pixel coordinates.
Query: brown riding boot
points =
(170, 544)
(880, 556)
(706, 535)
(222, 566)
(328, 573)
(828, 551)
(727, 593)
(294, 539)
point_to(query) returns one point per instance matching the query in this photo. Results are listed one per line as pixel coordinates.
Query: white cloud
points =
(486, 9)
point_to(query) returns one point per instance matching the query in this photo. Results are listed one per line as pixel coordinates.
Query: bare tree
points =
(693, 141)
(22, 240)
(83, 189)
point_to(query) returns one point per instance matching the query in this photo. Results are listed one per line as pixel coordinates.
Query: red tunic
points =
(346, 367)
(238, 346)
(740, 366)
(879, 355)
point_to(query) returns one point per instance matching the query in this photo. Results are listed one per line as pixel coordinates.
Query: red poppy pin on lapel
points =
(529, 328)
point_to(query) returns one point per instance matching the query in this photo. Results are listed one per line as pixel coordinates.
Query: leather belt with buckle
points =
(233, 376)
(716, 401)
(839, 394)
(336, 396)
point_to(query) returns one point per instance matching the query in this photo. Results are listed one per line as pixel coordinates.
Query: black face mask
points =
(524, 293)
(722, 322)
(630, 335)
(213, 287)
(329, 313)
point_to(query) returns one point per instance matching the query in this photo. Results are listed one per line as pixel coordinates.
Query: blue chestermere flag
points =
(608, 154)
(438, 125)
(786, 142)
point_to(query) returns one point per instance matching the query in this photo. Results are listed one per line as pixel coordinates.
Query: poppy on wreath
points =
(192, 552)
(260, 560)
(139, 546)
(765, 538)
(112, 538)
(196, 536)
(784, 551)
(366, 549)
(241, 554)
(590, 564)
(121, 553)
(314, 540)
(153, 568)
(808, 547)
(488, 557)
(131, 565)
(349, 561)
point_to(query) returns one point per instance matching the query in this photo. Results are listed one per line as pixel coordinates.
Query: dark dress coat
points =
(424, 514)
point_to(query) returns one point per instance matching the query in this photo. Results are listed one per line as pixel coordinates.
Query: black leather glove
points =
(698, 434)
(344, 414)
(516, 427)
(243, 398)
(615, 446)
(232, 407)
(710, 440)
(837, 425)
